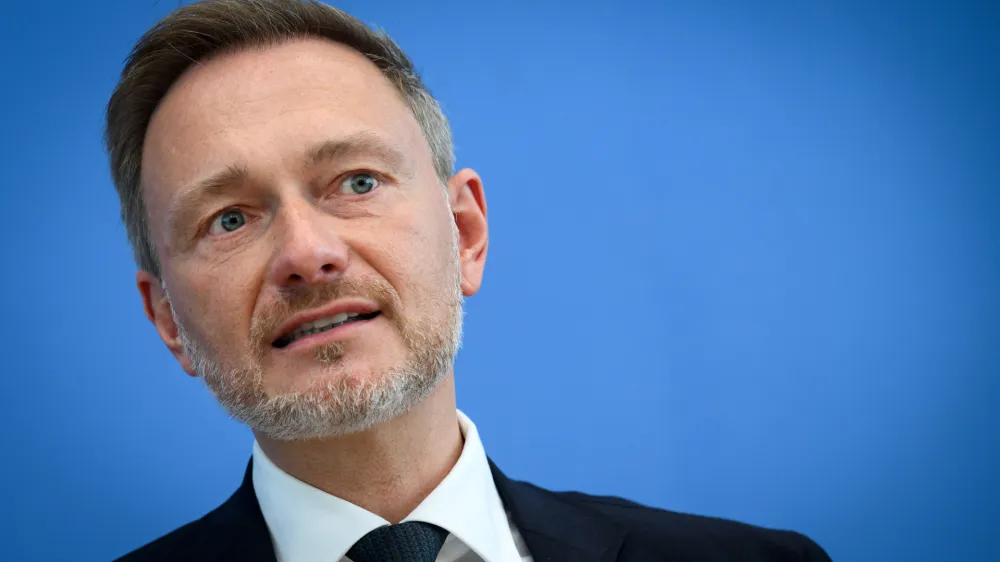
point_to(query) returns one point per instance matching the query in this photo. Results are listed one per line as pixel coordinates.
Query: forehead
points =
(265, 107)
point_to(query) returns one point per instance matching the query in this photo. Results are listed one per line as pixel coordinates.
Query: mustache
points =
(293, 300)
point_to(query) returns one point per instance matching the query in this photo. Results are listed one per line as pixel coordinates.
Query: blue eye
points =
(228, 221)
(358, 184)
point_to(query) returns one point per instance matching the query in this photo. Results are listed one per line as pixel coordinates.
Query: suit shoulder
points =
(235, 530)
(202, 539)
(698, 535)
(165, 547)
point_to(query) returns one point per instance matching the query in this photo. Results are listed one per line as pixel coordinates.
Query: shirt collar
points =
(307, 524)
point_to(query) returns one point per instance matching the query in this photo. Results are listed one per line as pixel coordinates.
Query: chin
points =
(344, 373)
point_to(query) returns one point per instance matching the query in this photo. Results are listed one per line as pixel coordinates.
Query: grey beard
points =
(340, 405)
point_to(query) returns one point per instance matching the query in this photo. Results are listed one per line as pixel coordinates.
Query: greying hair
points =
(194, 33)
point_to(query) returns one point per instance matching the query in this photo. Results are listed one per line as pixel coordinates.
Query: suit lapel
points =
(556, 530)
(239, 530)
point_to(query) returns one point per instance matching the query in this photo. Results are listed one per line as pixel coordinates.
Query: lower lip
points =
(340, 332)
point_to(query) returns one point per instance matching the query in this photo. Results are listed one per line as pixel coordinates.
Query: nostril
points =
(308, 273)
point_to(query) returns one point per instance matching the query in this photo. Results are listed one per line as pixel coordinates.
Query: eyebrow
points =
(358, 144)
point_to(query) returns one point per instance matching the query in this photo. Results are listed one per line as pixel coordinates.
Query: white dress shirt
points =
(310, 525)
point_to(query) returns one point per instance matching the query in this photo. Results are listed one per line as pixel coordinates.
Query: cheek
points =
(427, 251)
(410, 248)
(218, 306)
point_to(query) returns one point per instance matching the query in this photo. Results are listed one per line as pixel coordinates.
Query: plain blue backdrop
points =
(744, 261)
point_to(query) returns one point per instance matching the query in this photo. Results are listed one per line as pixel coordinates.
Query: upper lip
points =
(333, 309)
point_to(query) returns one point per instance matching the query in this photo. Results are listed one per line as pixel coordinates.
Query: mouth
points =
(321, 325)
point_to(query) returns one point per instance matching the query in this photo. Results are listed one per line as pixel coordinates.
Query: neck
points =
(387, 469)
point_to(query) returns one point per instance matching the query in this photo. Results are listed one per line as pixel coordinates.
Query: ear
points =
(161, 314)
(468, 205)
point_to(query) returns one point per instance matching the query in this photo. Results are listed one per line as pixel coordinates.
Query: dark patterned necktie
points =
(412, 541)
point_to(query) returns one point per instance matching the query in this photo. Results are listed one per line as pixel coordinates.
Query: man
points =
(304, 247)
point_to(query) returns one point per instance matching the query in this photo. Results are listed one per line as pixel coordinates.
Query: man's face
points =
(286, 188)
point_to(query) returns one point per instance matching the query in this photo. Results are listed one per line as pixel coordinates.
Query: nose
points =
(309, 249)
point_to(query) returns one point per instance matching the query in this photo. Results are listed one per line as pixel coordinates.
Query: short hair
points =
(198, 31)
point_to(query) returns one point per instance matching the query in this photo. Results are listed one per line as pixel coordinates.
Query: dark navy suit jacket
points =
(556, 526)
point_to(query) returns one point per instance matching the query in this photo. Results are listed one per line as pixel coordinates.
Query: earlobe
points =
(468, 207)
(161, 315)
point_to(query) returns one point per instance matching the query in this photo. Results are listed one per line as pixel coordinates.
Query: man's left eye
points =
(358, 184)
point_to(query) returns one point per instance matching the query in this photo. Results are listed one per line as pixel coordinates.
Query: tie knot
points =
(412, 541)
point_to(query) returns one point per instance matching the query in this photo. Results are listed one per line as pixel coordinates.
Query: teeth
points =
(322, 324)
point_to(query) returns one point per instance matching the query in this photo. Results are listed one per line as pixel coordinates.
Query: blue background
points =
(745, 262)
